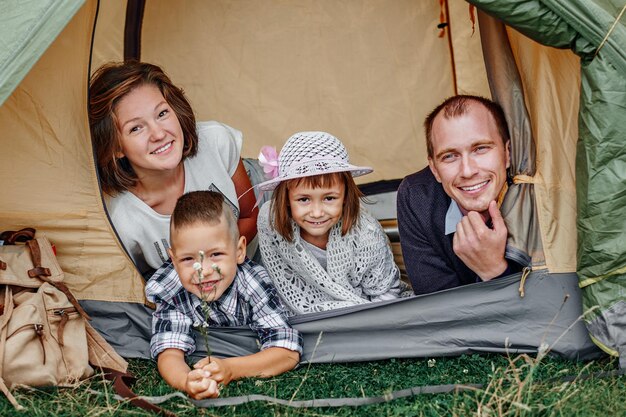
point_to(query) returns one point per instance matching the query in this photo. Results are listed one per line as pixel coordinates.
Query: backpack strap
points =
(101, 354)
(10, 397)
(10, 237)
(114, 368)
(35, 252)
(8, 312)
(4, 321)
(43, 273)
(122, 382)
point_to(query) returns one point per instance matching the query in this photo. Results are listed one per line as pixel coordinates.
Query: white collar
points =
(453, 217)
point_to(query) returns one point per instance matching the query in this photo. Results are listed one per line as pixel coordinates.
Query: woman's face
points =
(150, 133)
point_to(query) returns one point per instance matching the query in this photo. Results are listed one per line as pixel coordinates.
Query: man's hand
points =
(200, 385)
(218, 369)
(478, 246)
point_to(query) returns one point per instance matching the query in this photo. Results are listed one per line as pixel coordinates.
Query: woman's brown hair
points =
(108, 85)
(281, 213)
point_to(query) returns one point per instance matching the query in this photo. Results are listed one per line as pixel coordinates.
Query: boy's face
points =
(219, 249)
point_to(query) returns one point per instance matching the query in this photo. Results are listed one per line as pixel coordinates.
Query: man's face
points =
(469, 158)
(220, 249)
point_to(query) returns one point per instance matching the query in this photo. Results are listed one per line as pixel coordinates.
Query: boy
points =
(238, 292)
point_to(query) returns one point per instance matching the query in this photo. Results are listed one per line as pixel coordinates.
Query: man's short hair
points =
(457, 106)
(208, 207)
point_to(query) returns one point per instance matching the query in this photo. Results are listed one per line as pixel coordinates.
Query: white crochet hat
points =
(312, 153)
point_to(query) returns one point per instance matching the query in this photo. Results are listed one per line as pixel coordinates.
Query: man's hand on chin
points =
(478, 246)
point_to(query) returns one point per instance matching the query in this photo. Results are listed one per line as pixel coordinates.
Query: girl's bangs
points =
(318, 181)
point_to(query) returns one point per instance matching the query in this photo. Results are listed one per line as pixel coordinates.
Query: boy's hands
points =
(219, 369)
(200, 385)
(206, 378)
(197, 383)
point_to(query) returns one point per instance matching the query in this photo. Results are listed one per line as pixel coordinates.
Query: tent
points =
(367, 71)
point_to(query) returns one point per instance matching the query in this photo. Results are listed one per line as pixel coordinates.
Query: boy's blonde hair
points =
(281, 213)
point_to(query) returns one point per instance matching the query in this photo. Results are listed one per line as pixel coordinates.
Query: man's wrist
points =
(495, 272)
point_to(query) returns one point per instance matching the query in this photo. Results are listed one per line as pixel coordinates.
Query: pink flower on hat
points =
(306, 154)
(268, 158)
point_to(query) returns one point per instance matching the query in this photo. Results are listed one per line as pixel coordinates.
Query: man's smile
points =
(470, 188)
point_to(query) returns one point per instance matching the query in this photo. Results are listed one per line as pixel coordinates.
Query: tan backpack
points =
(45, 336)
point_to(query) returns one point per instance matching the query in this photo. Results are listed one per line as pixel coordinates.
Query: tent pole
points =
(450, 46)
(132, 29)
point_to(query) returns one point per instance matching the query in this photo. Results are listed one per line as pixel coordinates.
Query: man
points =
(451, 229)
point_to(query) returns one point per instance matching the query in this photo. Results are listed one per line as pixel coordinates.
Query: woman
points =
(150, 151)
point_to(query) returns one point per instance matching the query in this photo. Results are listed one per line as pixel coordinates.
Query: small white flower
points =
(201, 253)
(205, 325)
(543, 349)
(214, 266)
(431, 363)
(465, 371)
(197, 266)
(196, 324)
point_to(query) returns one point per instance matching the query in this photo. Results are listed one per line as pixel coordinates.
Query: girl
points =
(150, 151)
(321, 249)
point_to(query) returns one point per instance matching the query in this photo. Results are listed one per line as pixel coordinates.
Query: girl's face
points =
(151, 136)
(316, 210)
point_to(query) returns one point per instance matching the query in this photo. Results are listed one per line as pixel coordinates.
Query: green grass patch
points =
(514, 386)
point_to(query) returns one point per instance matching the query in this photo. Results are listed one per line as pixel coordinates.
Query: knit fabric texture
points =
(360, 266)
(312, 153)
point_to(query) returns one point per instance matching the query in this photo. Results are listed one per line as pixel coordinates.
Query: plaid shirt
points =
(250, 300)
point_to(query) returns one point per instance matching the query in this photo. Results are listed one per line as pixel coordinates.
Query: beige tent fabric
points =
(551, 79)
(470, 69)
(46, 154)
(468, 55)
(109, 35)
(367, 71)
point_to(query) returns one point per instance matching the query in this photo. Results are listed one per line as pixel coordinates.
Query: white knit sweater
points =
(360, 266)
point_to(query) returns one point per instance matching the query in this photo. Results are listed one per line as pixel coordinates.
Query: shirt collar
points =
(228, 300)
(453, 217)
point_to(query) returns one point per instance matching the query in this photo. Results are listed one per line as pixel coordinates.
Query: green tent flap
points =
(593, 20)
(583, 25)
(28, 29)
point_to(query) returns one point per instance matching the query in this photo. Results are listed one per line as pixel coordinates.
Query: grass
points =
(514, 386)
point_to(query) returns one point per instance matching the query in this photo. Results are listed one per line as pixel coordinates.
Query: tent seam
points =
(588, 281)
